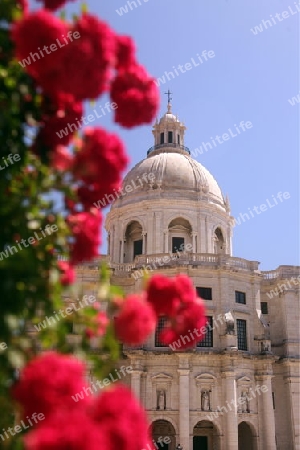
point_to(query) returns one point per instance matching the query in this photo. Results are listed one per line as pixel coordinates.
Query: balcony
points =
(153, 262)
(282, 272)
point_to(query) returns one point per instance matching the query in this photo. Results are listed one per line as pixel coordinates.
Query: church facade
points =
(239, 388)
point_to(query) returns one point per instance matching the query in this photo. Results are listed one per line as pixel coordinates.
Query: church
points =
(238, 389)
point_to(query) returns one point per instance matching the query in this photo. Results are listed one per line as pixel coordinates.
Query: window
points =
(207, 341)
(240, 297)
(170, 137)
(264, 307)
(161, 324)
(162, 138)
(177, 244)
(204, 292)
(137, 248)
(178, 139)
(241, 334)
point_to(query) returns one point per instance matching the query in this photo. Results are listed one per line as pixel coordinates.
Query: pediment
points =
(205, 377)
(162, 377)
(243, 380)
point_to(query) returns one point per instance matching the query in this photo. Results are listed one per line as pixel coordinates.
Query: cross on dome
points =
(169, 93)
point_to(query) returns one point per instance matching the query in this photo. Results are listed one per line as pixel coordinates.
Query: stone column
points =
(184, 407)
(194, 242)
(113, 245)
(136, 382)
(166, 232)
(144, 243)
(122, 251)
(230, 414)
(266, 411)
(206, 250)
(292, 384)
(108, 243)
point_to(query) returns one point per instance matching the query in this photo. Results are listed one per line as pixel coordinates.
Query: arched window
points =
(219, 242)
(133, 241)
(179, 234)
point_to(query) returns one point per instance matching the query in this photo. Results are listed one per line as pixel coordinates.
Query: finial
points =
(169, 93)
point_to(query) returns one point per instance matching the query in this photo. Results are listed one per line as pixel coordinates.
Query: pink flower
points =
(93, 43)
(85, 227)
(74, 430)
(99, 165)
(68, 273)
(57, 126)
(47, 383)
(176, 299)
(162, 295)
(136, 320)
(61, 159)
(52, 5)
(190, 317)
(136, 95)
(101, 322)
(119, 406)
(37, 30)
(125, 52)
(23, 5)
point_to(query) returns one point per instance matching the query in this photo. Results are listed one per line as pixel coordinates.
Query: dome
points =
(176, 175)
(169, 117)
(169, 172)
(168, 201)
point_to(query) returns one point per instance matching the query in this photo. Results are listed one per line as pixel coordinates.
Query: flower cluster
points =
(173, 298)
(98, 165)
(107, 64)
(47, 385)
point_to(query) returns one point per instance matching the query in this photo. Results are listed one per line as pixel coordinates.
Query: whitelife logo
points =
(11, 158)
(106, 382)
(262, 208)
(266, 24)
(49, 229)
(53, 47)
(18, 428)
(124, 9)
(109, 198)
(183, 68)
(205, 146)
(292, 101)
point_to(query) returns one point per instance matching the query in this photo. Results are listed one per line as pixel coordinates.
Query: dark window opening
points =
(162, 138)
(204, 292)
(273, 399)
(162, 446)
(200, 443)
(207, 340)
(170, 137)
(240, 297)
(137, 248)
(160, 325)
(242, 334)
(177, 244)
(264, 307)
(178, 139)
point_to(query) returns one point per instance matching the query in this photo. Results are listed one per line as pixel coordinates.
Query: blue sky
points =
(250, 78)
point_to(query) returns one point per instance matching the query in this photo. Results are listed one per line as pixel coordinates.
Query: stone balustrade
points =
(194, 259)
(282, 272)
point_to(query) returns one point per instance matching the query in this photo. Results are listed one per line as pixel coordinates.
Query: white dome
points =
(169, 117)
(177, 175)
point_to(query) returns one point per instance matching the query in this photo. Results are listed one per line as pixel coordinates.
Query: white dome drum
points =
(169, 203)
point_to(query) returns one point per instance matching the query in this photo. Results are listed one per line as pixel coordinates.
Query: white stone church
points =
(239, 388)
